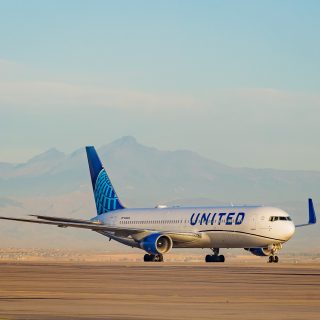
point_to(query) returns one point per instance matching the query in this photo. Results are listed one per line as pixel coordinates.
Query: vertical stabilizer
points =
(104, 194)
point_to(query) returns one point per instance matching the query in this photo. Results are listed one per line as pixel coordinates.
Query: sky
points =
(235, 81)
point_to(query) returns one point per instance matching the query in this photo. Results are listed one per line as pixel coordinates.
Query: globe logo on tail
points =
(104, 194)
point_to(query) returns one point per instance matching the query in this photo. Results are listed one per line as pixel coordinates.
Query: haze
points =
(237, 82)
(58, 184)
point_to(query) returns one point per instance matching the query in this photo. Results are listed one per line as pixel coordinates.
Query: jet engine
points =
(261, 252)
(156, 243)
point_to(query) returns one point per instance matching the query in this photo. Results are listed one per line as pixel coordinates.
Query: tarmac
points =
(159, 290)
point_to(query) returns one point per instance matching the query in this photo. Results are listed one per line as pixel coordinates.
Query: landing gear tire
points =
(214, 258)
(147, 257)
(153, 257)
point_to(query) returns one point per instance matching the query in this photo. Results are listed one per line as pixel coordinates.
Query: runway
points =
(159, 290)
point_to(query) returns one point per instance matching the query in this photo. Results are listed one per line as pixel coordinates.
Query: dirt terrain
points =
(133, 290)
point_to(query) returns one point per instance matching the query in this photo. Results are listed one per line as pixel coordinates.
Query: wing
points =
(136, 233)
(312, 215)
(66, 222)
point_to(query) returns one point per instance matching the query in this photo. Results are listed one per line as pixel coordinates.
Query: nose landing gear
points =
(274, 251)
(215, 257)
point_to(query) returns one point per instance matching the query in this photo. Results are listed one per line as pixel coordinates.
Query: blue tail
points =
(104, 194)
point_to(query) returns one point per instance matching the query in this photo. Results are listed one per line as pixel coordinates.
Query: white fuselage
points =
(217, 227)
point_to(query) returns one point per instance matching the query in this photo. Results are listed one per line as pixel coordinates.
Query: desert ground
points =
(180, 290)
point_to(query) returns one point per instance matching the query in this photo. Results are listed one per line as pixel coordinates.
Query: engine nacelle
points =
(261, 252)
(156, 243)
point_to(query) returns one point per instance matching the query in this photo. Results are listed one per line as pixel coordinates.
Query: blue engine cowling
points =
(156, 243)
(261, 252)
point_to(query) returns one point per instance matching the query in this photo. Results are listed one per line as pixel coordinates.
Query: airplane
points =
(260, 230)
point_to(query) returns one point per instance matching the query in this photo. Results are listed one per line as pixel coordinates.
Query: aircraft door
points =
(253, 223)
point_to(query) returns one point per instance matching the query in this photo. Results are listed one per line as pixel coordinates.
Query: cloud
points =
(264, 105)
(261, 97)
(46, 94)
(24, 87)
(60, 94)
(21, 87)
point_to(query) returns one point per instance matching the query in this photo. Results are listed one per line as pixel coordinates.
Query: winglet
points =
(312, 213)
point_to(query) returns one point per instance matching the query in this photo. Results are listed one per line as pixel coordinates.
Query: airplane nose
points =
(289, 230)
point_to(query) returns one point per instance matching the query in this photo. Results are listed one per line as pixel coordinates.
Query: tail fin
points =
(104, 194)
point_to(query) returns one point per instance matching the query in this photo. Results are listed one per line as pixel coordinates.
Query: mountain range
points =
(144, 176)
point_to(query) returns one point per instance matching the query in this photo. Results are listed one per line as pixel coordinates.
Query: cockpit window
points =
(276, 218)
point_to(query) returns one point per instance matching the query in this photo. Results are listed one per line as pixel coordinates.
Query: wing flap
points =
(50, 218)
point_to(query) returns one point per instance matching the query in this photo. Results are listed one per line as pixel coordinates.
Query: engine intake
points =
(156, 243)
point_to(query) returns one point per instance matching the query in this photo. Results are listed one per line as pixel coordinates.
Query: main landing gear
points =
(215, 257)
(153, 257)
(273, 259)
